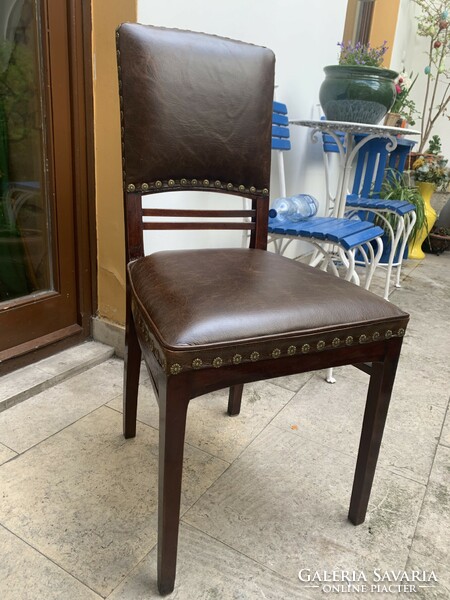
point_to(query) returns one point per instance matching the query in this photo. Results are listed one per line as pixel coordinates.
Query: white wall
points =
(410, 53)
(304, 36)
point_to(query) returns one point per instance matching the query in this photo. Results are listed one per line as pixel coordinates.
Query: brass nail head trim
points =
(230, 186)
(197, 363)
(144, 186)
(349, 340)
(242, 188)
(388, 334)
(336, 342)
(401, 332)
(306, 348)
(320, 345)
(252, 189)
(362, 339)
(254, 356)
(217, 184)
(237, 359)
(292, 350)
(183, 181)
(158, 184)
(175, 369)
(194, 182)
(265, 191)
(131, 187)
(206, 182)
(171, 182)
(217, 362)
(276, 353)
(376, 335)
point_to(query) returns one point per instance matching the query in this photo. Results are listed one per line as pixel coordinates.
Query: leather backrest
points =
(196, 111)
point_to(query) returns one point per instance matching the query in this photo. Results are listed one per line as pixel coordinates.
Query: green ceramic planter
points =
(357, 93)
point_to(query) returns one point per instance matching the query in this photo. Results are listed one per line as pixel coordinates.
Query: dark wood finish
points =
(234, 399)
(174, 212)
(174, 392)
(132, 366)
(173, 404)
(208, 226)
(30, 322)
(377, 405)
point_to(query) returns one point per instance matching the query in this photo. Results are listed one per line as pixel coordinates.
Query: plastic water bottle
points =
(293, 209)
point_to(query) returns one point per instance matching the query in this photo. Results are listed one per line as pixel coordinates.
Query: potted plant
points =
(404, 108)
(430, 172)
(398, 186)
(358, 89)
(433, 24)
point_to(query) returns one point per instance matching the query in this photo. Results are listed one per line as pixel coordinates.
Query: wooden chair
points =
(196, 115)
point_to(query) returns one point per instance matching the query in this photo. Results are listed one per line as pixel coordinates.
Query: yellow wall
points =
(384, 24)
(106, 15)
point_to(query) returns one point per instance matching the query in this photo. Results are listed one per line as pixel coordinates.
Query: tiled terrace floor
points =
(265, 494)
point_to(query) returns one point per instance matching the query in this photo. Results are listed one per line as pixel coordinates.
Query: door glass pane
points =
(25, 249)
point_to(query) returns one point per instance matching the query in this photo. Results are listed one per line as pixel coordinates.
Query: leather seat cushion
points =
(234, 305)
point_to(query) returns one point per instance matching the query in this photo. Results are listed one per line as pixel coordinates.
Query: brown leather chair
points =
(196, 115)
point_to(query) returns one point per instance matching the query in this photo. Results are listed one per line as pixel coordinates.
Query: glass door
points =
(25, 218)
(38, 291)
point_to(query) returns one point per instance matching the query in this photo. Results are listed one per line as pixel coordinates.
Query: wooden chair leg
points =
(172, 425)
(378, 397)
(132, 366)
(234, 399)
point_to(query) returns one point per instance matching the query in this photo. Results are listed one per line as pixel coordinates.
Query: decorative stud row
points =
(254, 356)
(199, 183)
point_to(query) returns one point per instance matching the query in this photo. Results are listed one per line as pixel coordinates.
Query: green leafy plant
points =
(362, 54)
(434, 145)
(396, 186)
(403, 104)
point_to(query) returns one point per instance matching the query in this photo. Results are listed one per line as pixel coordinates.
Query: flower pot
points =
(357, 93)
(395, 120)
(415, 247)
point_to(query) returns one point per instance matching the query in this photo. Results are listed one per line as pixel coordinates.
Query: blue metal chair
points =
(336, 241)
(398, 217)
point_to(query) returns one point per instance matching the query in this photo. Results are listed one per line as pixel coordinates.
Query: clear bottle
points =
(293, 209)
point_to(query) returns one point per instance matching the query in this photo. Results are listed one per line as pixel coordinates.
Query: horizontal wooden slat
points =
(176, 212)
(193, 225)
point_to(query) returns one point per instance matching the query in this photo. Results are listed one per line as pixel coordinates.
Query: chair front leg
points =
(378, 398)
(234, 399)
(172, 425)
(132, 366)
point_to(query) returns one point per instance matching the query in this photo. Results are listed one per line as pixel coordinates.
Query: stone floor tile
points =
(333, 414)
(21, 384)
(292, 382)
(428, 590)
(6, 454)
(284, 503)
(28, 423)
(209, 427)
(433, 529)
(28, 381)
(25, 574)
(85, 355)
(86, 498)
(208, 570)
(445, 435)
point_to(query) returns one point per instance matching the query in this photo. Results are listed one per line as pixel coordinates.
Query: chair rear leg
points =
(234, 399)
(378, 397)
(172, 426)
(132, 366)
